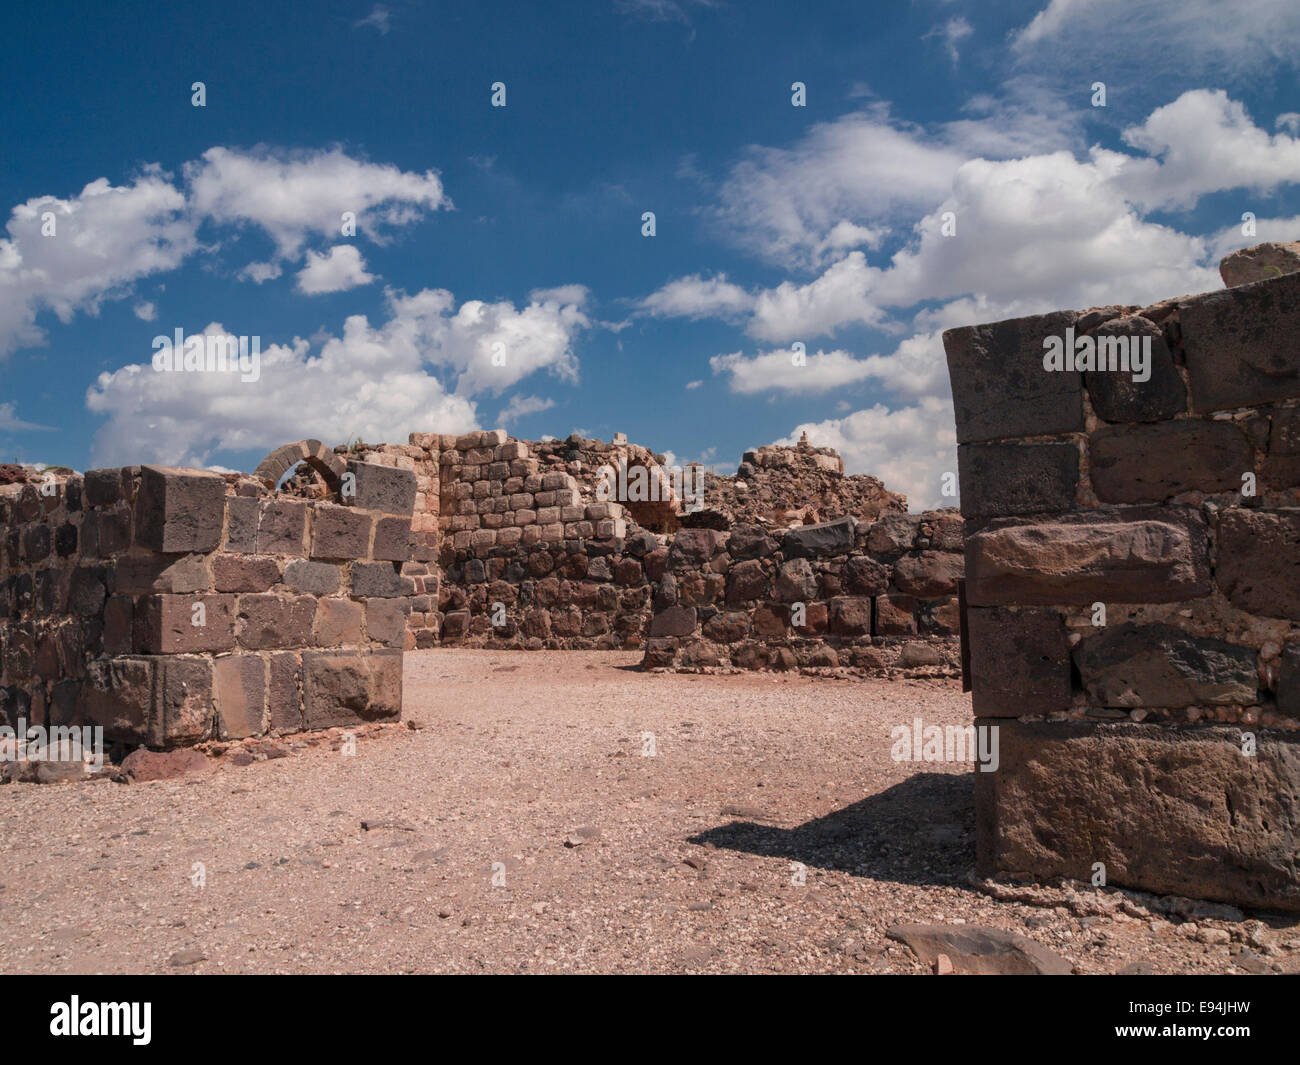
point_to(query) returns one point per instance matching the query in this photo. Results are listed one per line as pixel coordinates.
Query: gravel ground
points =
(529, 767)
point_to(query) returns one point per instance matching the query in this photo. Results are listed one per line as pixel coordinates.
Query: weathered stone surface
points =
(1134, 555)
(282, 527)
(929, 574)
(1160, 666)
(750, 541)
(1172, 811)
(179, 510)
(851, 615)
(182, 709)
(746, 581)
(284, 692)
(239, 696)
(244, 573)
(1116, 397)
(1019, 662)
(312, 578)
(1258, 561)
(139, 574)
(693, 547)
(1000, 388)
(796, 582)
(338, 623)
(340, 532)
(673, 621)
(1002, 479)
(1260, 263)
(820, 541)
(118, 695)
(866, 576)
(1281, 467)
(392, 539)
(241, 524)
(143, 765)
(274, 622)
(1242, 345)
(1152, 463)
(379, 579)
(386, 621)
(973, 949)
(176, 624)
(895, 615)
(349, 687)
(382, 488)
(103, 487)
(892, 534)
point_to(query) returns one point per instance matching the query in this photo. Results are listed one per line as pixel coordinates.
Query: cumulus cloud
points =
(818, 372)
(100, 242)
(297, 195)
(420, 368)
(909, 448)
(338, 270)
(698, 297)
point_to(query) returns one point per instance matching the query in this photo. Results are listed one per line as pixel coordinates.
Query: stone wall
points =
(1133, 583)
(172, 606)
(869, 596)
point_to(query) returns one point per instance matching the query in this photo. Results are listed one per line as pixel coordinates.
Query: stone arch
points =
(313, 452)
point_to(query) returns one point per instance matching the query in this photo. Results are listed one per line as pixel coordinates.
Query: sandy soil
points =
(531, 765)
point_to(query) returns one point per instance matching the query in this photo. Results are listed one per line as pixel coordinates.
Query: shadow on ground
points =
(921, 831)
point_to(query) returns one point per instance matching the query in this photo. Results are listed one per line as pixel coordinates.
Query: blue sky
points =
(517, 230)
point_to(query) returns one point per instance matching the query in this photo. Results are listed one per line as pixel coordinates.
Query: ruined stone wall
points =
(528, 557)
(172, 606)
(1133, 582)
(869, 596)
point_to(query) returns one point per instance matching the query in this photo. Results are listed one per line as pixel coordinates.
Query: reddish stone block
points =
(176, 624)
(239, 696)
(340, 532)
(179, 510)
(272, 621)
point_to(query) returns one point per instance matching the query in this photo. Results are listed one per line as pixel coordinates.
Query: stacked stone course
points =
(1133, 581)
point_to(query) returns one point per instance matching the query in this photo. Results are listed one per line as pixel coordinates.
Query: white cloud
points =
(296, 195)
(340, 269)
(380, 18)
(104, 239)
(377, 382)
(692, 385)
(11, 423)
(699, 297)
(952, 33)
(145, 311)
(820, 372)
(909, 449)
(521, 407)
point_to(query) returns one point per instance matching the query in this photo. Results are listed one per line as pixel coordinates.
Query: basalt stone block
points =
(1020, 662)
(65, 540)
(141, 574)
(87, 591)
(851, 616)
(820, 541)
(1242, 345)
(282, 527)
(176, 624)
(1161, 666)
(340, 532)
(1288, 681)
(118, 695)
(1282, 463)
(929, 574)
(379, 579)
(386, 621)
(749, 542)
(179, 510)
(182, 709)
(895, 615)
(37, 543)
(694, 547)
(245, 573)
(1173, 811)
(313, 578)
(103, 487)
(239, 696)
(747, 580)
(284, 692)
(1003, 479)
(392, 539)
(338, 622)
(1000, 388)
(1116, 397)
(1258, 561)
(795, 582)
(673, 621)
(865, 576)
(382, 488)
(241, 524)
(105, 533)
(1152, 463)
(119, 625)
(1134, 555)
(273, 622)
(350, 687)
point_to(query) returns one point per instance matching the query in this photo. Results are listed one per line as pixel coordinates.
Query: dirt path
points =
(532, 764)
